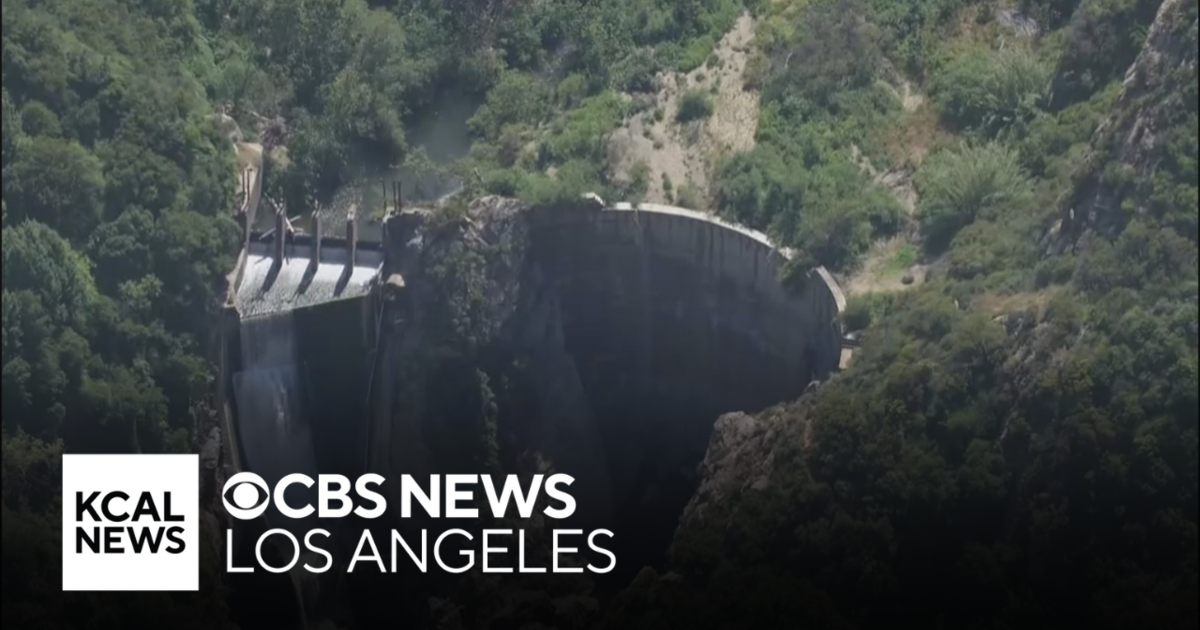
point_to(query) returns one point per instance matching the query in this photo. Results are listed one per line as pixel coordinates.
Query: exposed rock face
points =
(212, 479)
(740, 469)
(214, 466)
(739, 458)
(481, 355)
(1116, 180)
(605, 342)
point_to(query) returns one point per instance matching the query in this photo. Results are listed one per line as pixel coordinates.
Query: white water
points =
(273, 427)
(272, 389)
(260, 294)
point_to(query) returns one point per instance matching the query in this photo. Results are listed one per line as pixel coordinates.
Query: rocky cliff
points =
(1119, 180)
(483, 375)
(482, 381)
(1120, 177)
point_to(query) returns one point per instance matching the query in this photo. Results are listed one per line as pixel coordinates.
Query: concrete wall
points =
(701, 266)
(265, 287)
(295, 389)
(670, 318)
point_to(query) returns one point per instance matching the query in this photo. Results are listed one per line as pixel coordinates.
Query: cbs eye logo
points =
(246, 496)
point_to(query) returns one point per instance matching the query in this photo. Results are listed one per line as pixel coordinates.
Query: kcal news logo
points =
(131, 523)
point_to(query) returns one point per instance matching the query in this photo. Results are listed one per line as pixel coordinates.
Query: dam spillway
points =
(299, 347)
(275, 432)
(295, 285)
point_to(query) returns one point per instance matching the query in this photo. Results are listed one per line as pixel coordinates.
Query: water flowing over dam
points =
(274, 430)
(293, 395)
(267, 290)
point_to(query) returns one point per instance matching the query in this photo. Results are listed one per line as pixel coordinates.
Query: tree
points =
(991, 90)
(58, 183)
(838, 49)
(12, 131)
(121, 248)
(37, 259)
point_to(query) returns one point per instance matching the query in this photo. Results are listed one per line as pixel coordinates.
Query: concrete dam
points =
(606, 340)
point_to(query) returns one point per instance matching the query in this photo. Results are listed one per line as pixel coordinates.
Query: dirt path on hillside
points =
(685, 153)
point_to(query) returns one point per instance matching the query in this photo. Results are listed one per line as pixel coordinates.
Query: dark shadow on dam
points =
(300, 384)
(669, 323)
(656, 379)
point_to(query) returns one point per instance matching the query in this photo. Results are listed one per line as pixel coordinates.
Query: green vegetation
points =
(694, 105)
(904, 258)
(958, 188)
(117, 189)
(639, 180)
(799, 182)
(989, 90)
(1014, 445)
(608, 47)
(1100, 42)
(1012, 432)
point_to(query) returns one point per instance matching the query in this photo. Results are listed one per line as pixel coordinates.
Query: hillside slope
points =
(1027, 460)
(1153, 125)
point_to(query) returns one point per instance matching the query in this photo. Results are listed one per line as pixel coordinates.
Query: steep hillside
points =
(1142, 163)
(1015, 451)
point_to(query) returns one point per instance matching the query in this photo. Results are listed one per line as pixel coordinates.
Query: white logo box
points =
(158, 475)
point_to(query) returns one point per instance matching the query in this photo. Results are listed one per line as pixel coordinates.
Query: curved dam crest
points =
(661, 319)
(637, 326)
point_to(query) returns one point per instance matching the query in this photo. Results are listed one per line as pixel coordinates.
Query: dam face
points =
(673, 318)
(692, 307)
(636, 328)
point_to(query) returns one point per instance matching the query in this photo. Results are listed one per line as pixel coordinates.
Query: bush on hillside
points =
(694, 105)
(990, 90)
(958, 186)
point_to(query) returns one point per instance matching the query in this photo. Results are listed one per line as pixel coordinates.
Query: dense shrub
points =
(1102, 39)
(990, 90)
(956, 187)
(694, 105)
